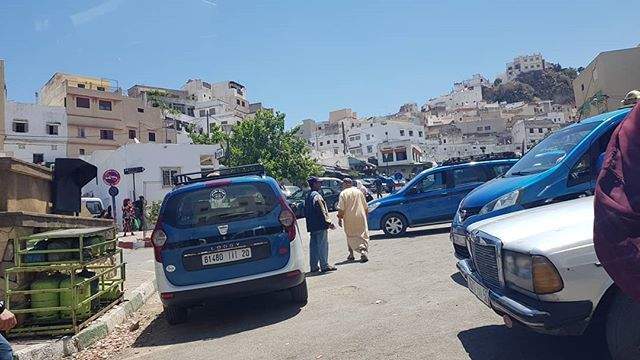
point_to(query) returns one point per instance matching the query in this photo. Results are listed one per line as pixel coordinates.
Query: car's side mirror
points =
(413, 190)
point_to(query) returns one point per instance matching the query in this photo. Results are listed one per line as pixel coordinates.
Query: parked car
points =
(91, 207)
(225, 235)
(296, 200)
(560, 167)
(289, 190)
(332, 183)
(432, 196)
(538, 268)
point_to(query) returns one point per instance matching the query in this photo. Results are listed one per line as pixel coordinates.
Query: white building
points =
(526, 133)
(477, 80)
(35, 133)
(161, 162)
(523, 64)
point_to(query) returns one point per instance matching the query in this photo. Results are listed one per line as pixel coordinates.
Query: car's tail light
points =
(158, 239)
(288, 219)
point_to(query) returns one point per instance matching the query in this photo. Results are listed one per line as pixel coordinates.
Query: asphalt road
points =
(407, 302)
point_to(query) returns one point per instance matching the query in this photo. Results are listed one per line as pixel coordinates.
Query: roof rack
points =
(222, 173)
(482, 157)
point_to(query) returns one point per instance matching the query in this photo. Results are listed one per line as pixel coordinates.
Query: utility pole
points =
(208, 128)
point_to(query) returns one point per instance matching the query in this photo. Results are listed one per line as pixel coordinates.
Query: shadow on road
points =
(412, 233)
(459, 279)
(220, 319)
(500, 342)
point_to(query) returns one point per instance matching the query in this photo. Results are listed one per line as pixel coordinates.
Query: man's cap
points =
(348, 180)
(312, 180)
(631, 98)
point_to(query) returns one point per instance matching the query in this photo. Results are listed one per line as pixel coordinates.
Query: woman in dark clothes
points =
(616, 235)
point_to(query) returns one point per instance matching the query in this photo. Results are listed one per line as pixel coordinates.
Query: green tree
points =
(214, 136)
(263, 139)
(157, 98)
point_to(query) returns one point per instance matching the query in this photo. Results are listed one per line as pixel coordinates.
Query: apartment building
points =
(35, 133)
(100, 116)
(528, 132)
(230, 92)
(602, 85)
(523, 64)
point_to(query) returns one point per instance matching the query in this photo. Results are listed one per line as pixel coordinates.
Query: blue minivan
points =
(222, 234)
(562, 166)
(433, 196)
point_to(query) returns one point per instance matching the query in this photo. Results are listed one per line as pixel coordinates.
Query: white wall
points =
(153, 157)
(36, 141)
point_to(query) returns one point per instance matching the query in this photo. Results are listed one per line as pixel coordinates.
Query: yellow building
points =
(606, 80)
(100, 116)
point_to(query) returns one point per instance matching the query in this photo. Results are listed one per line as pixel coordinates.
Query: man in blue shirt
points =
(318, 222)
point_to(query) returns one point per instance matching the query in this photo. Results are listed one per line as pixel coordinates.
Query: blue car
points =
(432, 196)
(225, 233)
(562, 166)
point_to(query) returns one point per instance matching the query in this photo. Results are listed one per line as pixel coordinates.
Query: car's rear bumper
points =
(240, 289)
(555, 318)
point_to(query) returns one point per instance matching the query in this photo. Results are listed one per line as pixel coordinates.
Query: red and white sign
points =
(111, 177)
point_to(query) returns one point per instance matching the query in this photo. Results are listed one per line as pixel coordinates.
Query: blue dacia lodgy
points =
(225, 233)
(432, 196)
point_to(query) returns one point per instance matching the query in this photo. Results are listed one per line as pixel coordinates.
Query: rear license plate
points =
(478, 290)
(222, 257)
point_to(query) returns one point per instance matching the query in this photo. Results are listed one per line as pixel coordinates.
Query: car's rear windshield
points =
(210, 206)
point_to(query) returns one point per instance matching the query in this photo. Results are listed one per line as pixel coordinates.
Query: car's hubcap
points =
(393, 225)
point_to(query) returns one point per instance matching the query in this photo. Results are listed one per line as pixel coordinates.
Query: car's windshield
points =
(552, 150)
(210, 206)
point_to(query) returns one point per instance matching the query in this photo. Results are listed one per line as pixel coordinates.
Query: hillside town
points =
(155, 180)
(94, 118)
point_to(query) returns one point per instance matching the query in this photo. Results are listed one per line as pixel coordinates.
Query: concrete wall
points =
(36, 140)
(25, 186)
(153, 157)
(614, 73)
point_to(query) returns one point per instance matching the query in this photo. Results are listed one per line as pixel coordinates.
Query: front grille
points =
(461, 251)
(486, 261)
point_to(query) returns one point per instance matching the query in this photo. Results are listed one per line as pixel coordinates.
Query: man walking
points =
(139, 206)
(378, 183)
(352, 211)
(318, 221)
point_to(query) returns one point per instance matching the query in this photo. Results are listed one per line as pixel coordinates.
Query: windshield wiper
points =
(523, 173)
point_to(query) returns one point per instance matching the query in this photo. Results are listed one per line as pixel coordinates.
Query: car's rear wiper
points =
(235, 214)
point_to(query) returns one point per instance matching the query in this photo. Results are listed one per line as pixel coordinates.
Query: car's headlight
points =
(502, 202)
(373, 206)
(535, 273)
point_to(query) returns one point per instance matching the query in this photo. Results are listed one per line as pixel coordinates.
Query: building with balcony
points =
(35, 133)
(523, 64)
(403, 156)
(100, 116)
(528, 132)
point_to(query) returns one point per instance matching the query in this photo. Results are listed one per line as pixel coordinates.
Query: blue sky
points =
(303, 57)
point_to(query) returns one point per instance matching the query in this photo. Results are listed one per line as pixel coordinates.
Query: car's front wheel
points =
(299, 293)
(623, 333)
(175, 315)
(394, 224)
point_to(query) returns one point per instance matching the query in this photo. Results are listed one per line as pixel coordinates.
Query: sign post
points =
(113, 191)
(133, 171)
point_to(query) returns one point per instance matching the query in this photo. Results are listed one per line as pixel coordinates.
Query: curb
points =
(100, 328)
(139, 243)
